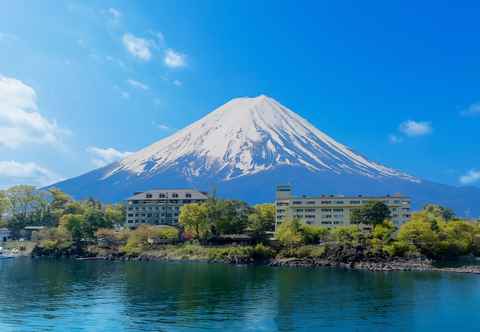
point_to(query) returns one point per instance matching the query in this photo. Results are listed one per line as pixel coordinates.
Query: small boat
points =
(5, 255)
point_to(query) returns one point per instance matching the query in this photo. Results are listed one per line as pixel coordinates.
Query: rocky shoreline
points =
(370, 264)
(415, 265)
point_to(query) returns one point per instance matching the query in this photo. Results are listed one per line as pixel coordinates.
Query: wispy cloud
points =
(14, 172)
(138, 84)
(7, 37)
(105, 156)
(163, 127)
(20, 121)
(472, 110)
(415, 128)
(470, 177)
(174, 59)
(114, 13)
(177, 83)
(138, 47)
(395, 139)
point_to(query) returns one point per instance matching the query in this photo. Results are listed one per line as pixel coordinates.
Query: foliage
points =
(306, 251)
(261, 221)
(115, 214)
(193, 217)
(138, 239)
(372, 213)
(76, 225)
(347, 235)
(290, 233)
(438, 211)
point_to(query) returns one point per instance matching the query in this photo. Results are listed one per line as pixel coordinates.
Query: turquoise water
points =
(43, 295)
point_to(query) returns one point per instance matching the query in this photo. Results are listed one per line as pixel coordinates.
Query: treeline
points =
(23, 205)
(213, 218)
(434, 233)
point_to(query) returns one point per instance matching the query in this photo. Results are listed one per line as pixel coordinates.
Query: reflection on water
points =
(45, 295)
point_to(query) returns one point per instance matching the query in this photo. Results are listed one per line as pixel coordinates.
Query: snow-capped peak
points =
(246, 136)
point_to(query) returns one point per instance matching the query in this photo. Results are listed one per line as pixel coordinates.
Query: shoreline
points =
(390, 265)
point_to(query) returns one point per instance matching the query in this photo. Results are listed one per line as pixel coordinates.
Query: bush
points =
(138, 239)
(310, 251)
(347, 235)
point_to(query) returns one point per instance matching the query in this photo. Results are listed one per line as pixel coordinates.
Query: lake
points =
(48, 295)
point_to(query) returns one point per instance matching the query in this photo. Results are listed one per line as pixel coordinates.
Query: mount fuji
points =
(245, 148)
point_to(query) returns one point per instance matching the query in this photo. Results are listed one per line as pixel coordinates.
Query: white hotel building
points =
(330, 210)
(160, 207)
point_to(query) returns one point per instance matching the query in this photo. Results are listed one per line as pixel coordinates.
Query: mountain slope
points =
(247, 146)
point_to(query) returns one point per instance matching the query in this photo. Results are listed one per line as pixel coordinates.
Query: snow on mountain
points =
(247, 136)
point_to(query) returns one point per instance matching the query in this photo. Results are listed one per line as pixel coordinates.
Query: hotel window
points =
(326, 210)
(188, 195)
(339, 202)
(174, 195)
(326, 202)
(297, 202)
(149, 196)
(161, 195)
(311, 202)
(354, 202)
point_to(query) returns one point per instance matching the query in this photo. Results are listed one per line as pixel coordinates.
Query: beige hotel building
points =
(332, 211)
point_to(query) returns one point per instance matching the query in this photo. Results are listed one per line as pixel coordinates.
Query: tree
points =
(115, 213)
(372, 213)
(437, 211)
(27, 206)
(94, 220)
(193, 217)
(227, 216)
(261, 221)
(76, 225)
(419, 235)
(4, 204)
(290, 233)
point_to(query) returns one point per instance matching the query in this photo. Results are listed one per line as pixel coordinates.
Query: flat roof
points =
(196, 194)
(348, 197)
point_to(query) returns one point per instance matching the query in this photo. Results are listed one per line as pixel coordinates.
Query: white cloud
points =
(138, 84)
(102, 157)
(177, 83)
(20, 121)
(472, 176)
(114, 13)
(472, 110)
(124, 95)
(394, 139)
(13, 172)
(174, 59)
(413, 128)
(138, 47)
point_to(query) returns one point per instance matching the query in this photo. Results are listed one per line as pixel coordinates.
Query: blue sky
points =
(83, 83)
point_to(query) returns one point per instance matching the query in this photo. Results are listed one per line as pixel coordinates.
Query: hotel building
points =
(332, 211)
(160, 207)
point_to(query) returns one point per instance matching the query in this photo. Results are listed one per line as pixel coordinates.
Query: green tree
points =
(4, 204)
(27, 206)
(437, 211)
(94, 220)
(372, 213)
(193, 217)
(419, 235)
(115, 213)
(76, 226)
(290, 233)
(261, 221)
